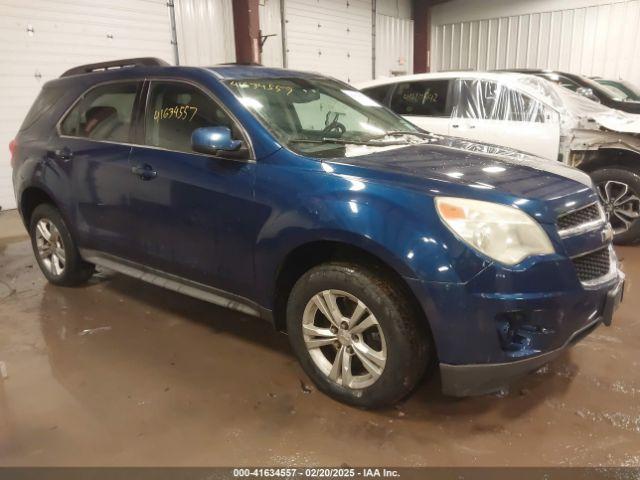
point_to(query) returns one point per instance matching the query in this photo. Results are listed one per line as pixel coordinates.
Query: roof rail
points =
(127, 62)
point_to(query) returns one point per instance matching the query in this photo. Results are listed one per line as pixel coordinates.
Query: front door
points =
(194, 211)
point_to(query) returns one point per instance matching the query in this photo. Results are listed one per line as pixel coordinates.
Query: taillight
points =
(12, 149)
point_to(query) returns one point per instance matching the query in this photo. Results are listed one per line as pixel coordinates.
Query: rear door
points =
(494, 113)
(425, 103)
(92, 145)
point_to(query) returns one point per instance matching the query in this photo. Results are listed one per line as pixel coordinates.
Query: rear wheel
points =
(356, 335)
(619, 191)
(55, 250)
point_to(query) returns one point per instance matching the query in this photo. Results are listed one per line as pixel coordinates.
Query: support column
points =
(246, 25)
(421, 36)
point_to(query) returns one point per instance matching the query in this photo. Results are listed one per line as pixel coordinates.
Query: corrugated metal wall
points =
(330, 36)
(593, 40)
(42, 38)
(205, 32)
(394, 46)
(271, 24)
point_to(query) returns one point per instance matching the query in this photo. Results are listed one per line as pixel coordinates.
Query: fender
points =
(339, 208)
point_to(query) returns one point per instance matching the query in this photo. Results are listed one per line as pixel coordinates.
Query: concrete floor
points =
(124, 373)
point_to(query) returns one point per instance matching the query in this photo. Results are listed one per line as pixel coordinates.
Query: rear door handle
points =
(63, 153)
(145, 172)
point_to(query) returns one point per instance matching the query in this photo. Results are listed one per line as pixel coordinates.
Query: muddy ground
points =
(124, 373)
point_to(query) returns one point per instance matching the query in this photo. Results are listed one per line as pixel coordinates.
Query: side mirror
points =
(213, 140)
(588, 93)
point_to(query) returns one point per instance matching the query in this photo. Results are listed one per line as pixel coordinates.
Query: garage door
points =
(330, 36)
(42, 38)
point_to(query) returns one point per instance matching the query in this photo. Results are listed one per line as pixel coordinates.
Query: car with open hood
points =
(530, 114)
(381, 250)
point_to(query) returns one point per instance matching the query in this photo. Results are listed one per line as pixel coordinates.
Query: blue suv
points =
(379, 248)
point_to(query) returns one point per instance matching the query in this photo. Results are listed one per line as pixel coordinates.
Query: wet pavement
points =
(124, 373)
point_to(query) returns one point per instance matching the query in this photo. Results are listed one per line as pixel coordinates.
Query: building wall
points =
(591, 37)
(43, 38)
(205, 32)
(394, 45)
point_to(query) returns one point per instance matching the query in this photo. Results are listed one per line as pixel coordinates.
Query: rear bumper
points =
(480, 379)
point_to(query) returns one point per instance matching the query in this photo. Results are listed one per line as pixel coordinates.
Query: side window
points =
(515, 106)
(476, 98)
(103, 113)
(175, 110)
(427, 98)
(379, 94)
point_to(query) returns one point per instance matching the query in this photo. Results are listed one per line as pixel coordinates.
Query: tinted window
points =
(428, 98)
(103, 113)
(562, 81)
(47, 99)
(175, 110)
(379, 94)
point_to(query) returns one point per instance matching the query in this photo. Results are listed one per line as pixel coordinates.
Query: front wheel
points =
(356, 335)
(619, 191)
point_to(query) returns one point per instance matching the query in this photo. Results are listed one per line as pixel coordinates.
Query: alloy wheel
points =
(50, 247)
(344, 339)
(621, 204)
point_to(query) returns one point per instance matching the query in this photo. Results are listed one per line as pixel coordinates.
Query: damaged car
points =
(382, 251)
(529, 114)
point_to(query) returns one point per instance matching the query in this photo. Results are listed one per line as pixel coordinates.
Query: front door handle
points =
(145, 172)
(63, 153)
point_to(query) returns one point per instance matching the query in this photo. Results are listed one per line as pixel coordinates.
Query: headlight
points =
(503, 233)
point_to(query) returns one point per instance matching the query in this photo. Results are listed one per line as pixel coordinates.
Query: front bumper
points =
(483, 378)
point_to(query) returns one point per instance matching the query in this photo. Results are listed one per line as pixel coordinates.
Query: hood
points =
(588, 111)
(619, 121)
(483, 167)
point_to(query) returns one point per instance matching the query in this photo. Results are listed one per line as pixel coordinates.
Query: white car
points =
(529, 114)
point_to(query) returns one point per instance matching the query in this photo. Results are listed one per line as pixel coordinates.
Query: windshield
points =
(540, 88)
(323, 117)
(623, 90)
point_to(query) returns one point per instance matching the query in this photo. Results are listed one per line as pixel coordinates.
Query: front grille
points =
(577, 218)
(593, 265)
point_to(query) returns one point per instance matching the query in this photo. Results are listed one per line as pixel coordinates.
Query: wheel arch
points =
(30, 198)
(314, 253)
(611, 157)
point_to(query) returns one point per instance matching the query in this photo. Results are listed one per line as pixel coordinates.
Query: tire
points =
(610, 182)
(58, 259)
(399, 337)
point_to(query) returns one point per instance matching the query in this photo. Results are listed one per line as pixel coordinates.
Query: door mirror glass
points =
(212, 140)
(588, 93)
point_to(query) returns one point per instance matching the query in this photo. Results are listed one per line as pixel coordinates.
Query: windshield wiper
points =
(395, 133)
(343, 141)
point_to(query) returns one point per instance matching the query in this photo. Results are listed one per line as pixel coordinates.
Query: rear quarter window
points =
(379, 94)
(44, 102)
